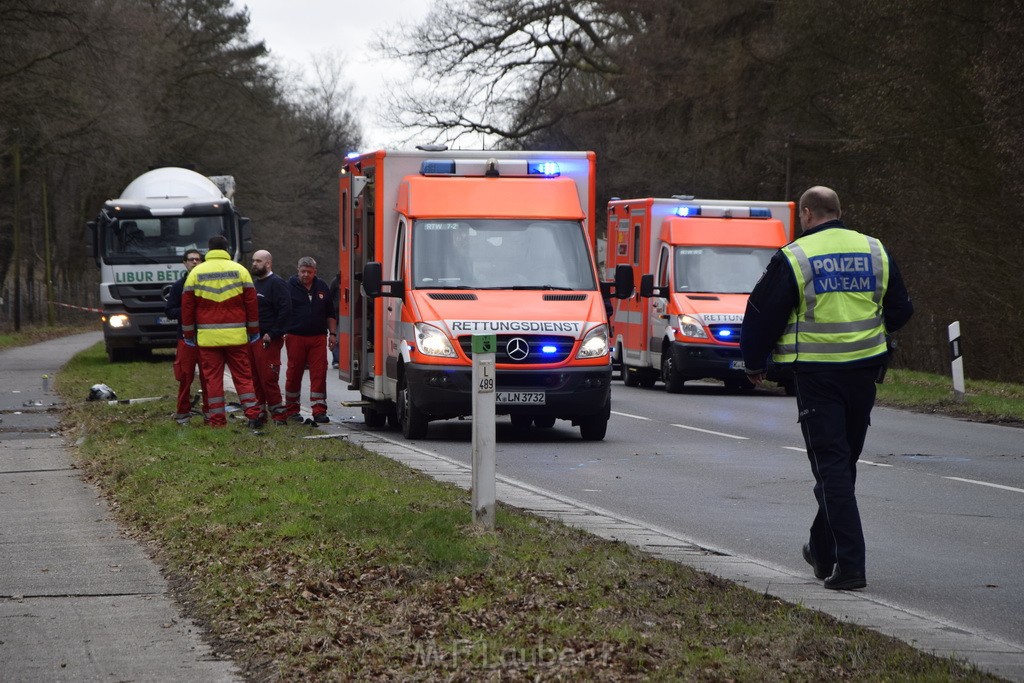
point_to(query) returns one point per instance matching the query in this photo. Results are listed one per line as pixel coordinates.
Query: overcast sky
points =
(296, 30)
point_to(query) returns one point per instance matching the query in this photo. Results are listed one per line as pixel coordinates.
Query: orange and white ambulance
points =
(698, 260)
(437, 246)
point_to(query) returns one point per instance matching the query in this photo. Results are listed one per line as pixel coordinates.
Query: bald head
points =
(818, 205)
(262, 263)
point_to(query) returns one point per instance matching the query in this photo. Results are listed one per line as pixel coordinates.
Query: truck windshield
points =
(723, 270)
(460, 253)
(160, 239)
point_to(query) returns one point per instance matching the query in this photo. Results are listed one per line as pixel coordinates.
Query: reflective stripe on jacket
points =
(842, 276)
(218, 306)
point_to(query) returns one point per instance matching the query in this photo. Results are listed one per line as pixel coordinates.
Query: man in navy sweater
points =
(311, 330)
(275, 306)
(186, 357)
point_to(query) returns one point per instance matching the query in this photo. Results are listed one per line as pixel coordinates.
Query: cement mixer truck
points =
(138, 241)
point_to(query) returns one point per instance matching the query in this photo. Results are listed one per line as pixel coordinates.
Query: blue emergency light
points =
(549, 169)
(352, 155)
(549, 349)
(760, 212)
(686, 211)
(724, 333)
(438, 167)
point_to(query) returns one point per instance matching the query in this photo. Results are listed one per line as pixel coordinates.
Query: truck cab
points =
(138, 241)
(700, 260)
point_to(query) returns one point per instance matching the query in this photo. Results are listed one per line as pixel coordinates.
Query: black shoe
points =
(321, 418)
(296, 419)
(820, 571)
(255, 424)
(846, 581)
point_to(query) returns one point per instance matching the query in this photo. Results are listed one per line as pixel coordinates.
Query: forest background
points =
(912, 111)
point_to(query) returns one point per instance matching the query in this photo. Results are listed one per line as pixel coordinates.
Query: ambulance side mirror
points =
(623, 281)
(647, 288)
(374, 285)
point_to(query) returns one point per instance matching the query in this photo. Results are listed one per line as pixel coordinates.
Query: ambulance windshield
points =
(473, 253)
(722, 270)
(160, 239)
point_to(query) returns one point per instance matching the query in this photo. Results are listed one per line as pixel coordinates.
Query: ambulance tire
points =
(521, 421)
(413, 422)
(544, 422)
(631, 377)
(374, 419)
(669, 375)
(648, 378)
(594, 428)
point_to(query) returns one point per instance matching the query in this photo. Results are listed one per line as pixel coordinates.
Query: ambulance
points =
(699, 260)
(438, 246)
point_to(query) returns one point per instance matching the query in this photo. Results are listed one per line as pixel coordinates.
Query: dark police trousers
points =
(835, 411)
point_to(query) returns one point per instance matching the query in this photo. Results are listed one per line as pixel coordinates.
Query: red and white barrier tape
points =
(78, 308)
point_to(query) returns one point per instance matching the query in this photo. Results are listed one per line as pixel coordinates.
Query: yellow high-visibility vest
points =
(842, 276)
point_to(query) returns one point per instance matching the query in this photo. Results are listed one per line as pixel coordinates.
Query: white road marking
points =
(708, 431)
(875, 464)
(635, 417)
(794, 448)
(985, 483)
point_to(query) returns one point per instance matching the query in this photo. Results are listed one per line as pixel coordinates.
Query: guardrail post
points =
(484, 459)
(956, 352)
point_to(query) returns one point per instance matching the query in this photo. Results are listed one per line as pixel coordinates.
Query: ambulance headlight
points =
(118, 321)
(689, 326)
(433, 342)
(595, 344)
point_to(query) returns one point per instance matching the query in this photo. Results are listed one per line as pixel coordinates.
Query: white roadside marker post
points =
(484, 459)
(956, 351)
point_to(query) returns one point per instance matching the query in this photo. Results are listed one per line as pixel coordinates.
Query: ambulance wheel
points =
(670, 376)
(521, 421)
(631, 377)
(647, 378)
(374, 419)
(594, 428)
(618, 367)
(544, 421)
(413, 422)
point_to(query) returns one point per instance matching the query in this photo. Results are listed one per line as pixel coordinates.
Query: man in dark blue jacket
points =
(275, 306)
(825, 306)
(311, 330)
(186, 357)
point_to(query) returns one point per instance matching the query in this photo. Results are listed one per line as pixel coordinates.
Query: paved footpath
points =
(79, 601)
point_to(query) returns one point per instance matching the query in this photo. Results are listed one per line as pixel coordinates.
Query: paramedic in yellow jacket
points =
(220, 315)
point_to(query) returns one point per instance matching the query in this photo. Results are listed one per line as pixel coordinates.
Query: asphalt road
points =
(942, 499)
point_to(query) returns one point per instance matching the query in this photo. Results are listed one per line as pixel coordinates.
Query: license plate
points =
(531, 398)
(737, 365)
(166, 321)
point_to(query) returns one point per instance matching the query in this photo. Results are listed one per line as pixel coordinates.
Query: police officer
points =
(825, 305)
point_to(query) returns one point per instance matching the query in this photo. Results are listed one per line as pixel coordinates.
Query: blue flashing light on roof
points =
(688, 211)
(544, 168)
(549, 349)
(760, 212)
(438, 167)
(352, 155)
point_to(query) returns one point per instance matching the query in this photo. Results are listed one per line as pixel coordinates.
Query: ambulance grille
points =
(732, 331)
(565, 297)
(452, 296)
(563, 346)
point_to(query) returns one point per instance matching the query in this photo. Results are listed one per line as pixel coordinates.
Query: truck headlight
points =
(118, 321)
(595, 343)
(691, 327)
(433, 342)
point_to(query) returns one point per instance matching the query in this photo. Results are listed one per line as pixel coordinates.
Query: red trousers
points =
(186, 358)
(306, 351)
(266, 375)
(211, 364)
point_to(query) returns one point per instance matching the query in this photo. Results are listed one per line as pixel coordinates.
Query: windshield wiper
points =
(542, 287)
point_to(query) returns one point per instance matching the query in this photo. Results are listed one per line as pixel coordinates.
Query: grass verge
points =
(33, 334)
(983, 401)
(314, 559)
